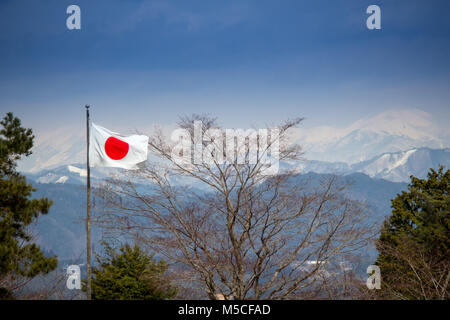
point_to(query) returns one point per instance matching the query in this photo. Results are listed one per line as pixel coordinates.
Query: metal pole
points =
(88, 212)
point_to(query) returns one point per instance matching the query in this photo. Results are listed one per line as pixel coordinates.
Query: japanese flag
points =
(110, 149)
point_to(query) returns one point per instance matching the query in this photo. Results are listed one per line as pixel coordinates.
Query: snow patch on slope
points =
(81, 172)
(63, 179)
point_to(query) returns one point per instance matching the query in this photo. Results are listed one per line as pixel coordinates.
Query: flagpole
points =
(88, 212)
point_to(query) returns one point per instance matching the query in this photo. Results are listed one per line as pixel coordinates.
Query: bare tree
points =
(418, 274)
(245, 234)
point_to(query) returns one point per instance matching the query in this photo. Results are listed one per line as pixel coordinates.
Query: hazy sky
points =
(247, 62)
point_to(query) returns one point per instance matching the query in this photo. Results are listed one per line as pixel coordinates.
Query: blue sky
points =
(140, 62)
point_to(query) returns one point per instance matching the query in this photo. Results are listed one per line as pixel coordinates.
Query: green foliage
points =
(414, 245)
(19, 257)
(130, 274)
(15, 142)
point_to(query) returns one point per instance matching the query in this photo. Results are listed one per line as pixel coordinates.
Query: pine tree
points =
(19, 256)
(414, 245)
(130, 274)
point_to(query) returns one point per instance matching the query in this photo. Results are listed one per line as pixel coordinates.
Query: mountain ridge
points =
(62, 230)
(390, 131)
(395, 167)
(380, 146)
(392, 166)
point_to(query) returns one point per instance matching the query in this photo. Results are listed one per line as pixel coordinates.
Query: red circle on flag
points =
(116, 149)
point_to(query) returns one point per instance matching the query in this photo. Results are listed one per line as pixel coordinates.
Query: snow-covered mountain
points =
(391, 145)
(392, 166)
(399, 166)
(390, 131)
(54, 149)
(65, 174)
(396, 167)
(72, 174)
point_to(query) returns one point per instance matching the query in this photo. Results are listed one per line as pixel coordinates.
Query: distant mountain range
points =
(68, 174)
(395, 166)
(62, 230)
(377, 155)
(399, 166)
(389, 132)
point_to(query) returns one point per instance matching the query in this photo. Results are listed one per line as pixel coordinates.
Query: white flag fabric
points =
(111, 149)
